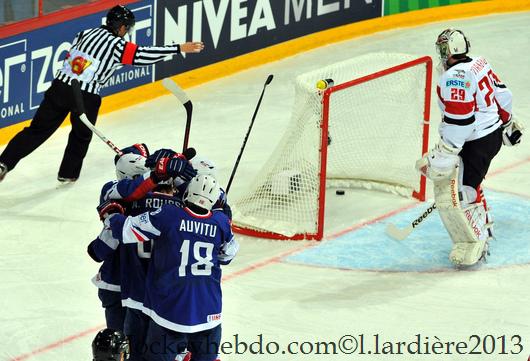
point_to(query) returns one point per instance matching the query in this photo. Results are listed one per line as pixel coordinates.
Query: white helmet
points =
(204, 166)
(451, 42)
(203, 191)
(130, 165)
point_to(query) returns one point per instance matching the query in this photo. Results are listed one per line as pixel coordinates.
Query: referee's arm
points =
(132, 54)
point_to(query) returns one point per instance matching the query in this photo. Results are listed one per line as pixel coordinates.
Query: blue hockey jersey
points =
(135, 257)
(128, 263)
(183, 288)
(127, 190)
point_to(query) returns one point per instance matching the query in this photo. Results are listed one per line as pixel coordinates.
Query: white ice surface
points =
(46, 295)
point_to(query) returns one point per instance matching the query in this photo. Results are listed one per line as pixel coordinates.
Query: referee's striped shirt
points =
(110, 52)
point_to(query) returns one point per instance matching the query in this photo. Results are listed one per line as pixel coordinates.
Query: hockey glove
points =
(138, 148)
(512, 133)
(174, 167)
(439, 163)
(153, 159)
(109, 207)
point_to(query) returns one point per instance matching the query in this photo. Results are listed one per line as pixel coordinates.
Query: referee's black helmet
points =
(118, 16)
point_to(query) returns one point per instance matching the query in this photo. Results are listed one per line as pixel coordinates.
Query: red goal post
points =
(365, 131)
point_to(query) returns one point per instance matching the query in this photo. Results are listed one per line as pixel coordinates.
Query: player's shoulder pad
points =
(477, 65)
(106, 188)
(457, 77)
(167, 209)
(220, 217)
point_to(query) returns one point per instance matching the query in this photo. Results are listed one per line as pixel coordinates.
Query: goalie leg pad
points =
(466, 224)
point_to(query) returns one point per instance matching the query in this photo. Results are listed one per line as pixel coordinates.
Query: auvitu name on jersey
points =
(188, 225)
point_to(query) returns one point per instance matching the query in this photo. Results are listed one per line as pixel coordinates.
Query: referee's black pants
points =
(57, 103)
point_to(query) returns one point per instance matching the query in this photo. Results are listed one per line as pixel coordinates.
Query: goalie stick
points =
(402, 233)
(170, 85)
(78, 98)
(267, 82)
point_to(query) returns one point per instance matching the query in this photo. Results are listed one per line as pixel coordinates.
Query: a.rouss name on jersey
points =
(204, 229)
(154, 203)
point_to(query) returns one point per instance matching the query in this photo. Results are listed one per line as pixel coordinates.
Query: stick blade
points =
(170, 85)
(397, 233)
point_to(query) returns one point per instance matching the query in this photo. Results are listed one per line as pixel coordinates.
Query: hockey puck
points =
(339, 192)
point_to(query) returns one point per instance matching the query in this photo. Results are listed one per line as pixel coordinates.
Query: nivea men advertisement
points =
(234, 27)
(29, 61)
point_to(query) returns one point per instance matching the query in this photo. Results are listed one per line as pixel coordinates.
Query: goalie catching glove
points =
(512, 132)
(440, 162)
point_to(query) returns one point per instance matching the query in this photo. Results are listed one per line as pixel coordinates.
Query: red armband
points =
(128, 53)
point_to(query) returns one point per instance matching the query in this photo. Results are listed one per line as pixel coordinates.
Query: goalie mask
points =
(130, 165)
(451, 42)
(203, 191)
(110, 345)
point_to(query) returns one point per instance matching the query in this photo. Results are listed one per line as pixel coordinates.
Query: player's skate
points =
(3, 171)
(66, 180)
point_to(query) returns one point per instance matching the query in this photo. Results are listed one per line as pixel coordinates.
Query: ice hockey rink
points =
(357, 281)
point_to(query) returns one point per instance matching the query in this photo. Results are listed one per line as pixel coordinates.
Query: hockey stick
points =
(186, 102)
(78, 98)
(267, 82)
(402, 233)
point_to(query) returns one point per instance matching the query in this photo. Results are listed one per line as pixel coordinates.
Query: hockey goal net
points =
(367, 130)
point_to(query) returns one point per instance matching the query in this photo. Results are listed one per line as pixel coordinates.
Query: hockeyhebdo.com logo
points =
(360, 344)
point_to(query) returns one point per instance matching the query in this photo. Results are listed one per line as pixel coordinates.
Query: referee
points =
(95, 55)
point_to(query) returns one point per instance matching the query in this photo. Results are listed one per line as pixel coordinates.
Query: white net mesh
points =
(375, 136)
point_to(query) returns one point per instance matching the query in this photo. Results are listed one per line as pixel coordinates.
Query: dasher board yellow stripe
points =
(276, 52)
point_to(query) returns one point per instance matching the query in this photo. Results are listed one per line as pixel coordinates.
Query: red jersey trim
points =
(128, 53)
(138, 236)
(191, 213)
(439, 92)
(459, 108)
(503, 114)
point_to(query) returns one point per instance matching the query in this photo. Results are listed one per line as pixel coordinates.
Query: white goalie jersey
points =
(473, 100)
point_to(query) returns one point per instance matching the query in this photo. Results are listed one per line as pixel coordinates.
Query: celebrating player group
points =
(166, 233)
(166, 221)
